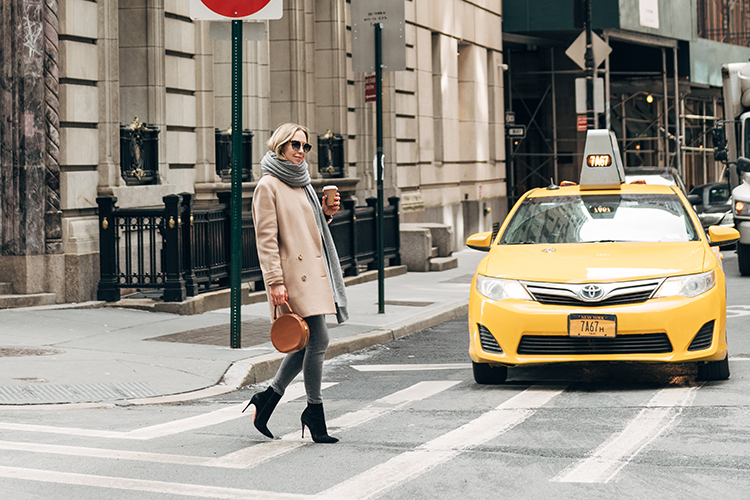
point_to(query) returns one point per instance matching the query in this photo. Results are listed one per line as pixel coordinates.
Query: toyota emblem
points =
(591, 292)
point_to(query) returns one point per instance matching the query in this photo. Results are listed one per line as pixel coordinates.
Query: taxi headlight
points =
(687, 286)
(499, 289)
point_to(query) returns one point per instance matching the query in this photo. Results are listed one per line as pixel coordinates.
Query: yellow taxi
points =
(599, 271)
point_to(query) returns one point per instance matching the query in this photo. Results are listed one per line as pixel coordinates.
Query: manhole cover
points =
(14, 352)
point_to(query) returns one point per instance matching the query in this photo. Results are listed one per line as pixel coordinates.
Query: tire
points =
(714, 370)
(486, 374)
(743, 258)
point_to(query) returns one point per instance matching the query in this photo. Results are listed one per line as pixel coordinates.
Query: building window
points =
(724, 21)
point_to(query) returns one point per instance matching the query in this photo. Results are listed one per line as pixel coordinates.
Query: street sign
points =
(389, 13)
(577, 50)
(580, 85)
(510, 117)
(215, 10)
(516, 131)
(581, 122)
(370, 89)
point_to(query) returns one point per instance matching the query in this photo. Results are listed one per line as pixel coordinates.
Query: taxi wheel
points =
(743, 257)
(714, 370)
(484, 373)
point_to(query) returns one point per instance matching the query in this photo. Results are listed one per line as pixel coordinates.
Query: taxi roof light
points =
(602, 164)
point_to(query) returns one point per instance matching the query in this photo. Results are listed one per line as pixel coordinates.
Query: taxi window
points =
(600, 218)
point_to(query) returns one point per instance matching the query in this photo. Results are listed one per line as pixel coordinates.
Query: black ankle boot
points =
(265, 402)
(315, 420)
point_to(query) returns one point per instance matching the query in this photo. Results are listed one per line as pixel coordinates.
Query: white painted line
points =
(406, 466)
(294, 391)
(733, 359)
(78, 451)
(409, 368)
(659, 416)
(119, 483)
(257, 454)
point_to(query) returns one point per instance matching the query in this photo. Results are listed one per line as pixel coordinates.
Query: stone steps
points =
(443, 263)
(10, 301)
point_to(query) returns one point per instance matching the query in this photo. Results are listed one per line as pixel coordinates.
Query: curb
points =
(251, 371)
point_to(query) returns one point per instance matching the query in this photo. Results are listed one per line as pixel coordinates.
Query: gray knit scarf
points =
(297, 176)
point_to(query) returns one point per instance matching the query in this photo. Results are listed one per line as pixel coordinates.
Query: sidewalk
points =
(95, 355)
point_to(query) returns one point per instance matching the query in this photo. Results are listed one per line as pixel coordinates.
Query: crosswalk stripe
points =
(658, 417)
(80, 451)
(411, 367)
(411, 464)
(294, 391)
(162, 487)
(257, 454)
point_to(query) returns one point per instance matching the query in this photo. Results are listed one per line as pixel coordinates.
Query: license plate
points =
(592, 325)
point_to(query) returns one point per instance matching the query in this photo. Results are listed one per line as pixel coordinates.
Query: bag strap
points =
(275, 307)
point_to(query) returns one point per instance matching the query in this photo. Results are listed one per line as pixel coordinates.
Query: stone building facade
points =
(75, 71)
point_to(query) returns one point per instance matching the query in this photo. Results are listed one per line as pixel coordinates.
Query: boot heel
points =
(303, 430)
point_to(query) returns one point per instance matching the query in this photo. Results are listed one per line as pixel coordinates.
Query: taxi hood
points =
(594, 262)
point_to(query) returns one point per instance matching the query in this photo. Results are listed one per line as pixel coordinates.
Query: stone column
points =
(52, 212)
(23, 140)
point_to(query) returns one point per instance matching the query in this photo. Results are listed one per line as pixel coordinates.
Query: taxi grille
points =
(649, 343)
(557, 300)
(488, 341)
(610, 294)
(703, 338)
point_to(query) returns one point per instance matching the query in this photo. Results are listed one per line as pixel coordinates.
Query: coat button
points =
(304, 278)
(300, 257)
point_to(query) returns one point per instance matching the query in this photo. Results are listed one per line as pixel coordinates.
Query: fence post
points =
(188, 273)
(393, 200)
(174, 285)
(350, 206)
(225, 198)
(108, 288)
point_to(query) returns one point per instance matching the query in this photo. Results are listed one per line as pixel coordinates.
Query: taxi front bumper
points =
(658, 330)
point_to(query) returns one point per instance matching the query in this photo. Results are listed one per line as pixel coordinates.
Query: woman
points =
(300, 266)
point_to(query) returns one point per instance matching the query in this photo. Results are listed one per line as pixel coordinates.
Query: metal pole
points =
(379, 162)
(666, 105)
(607, 90)
(554, 114)
(679, 124)
(235, 263)
(589, 67)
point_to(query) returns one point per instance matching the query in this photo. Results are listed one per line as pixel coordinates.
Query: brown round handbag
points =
(289, 332)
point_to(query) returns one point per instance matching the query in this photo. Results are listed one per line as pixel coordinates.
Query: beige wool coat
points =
(290, 247)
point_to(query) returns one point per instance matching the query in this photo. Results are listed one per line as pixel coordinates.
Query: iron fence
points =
(183, 249)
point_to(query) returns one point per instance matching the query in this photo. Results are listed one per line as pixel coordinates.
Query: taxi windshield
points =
(600, 218)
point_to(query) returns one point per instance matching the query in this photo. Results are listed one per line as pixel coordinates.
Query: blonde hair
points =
(284, 134)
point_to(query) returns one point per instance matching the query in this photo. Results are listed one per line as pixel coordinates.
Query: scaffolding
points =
(658, 118)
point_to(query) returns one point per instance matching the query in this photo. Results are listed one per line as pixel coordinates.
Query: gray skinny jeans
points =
(309, 361)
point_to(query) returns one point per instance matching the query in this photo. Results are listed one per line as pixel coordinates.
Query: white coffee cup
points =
(330, 192)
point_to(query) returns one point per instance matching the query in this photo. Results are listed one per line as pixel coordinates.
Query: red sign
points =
(235, 8)
(581, 122)
(370, 89)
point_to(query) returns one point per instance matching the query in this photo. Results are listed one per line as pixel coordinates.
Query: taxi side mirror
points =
(722, 235)
(481, 241)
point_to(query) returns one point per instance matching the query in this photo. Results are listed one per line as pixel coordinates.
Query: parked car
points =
(601, 271)
(715, 205)
(655, 175)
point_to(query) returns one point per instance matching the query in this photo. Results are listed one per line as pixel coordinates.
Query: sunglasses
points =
(296, 145)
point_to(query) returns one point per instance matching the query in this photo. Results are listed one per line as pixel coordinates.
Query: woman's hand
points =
(332, 209)
(278, 294)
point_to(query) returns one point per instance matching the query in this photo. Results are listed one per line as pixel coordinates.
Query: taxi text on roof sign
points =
(602, 164)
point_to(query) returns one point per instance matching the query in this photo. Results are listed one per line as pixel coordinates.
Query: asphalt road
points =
(413, 424)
